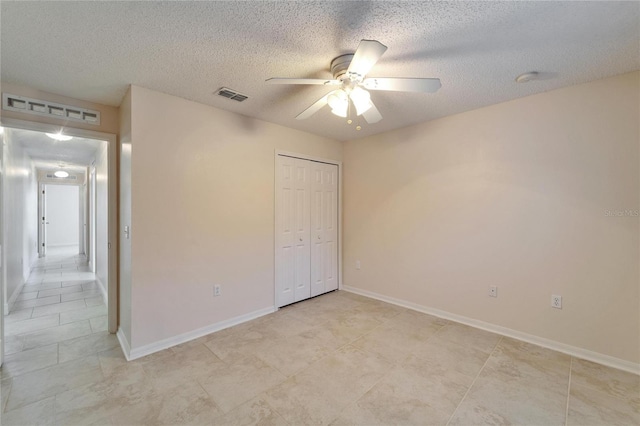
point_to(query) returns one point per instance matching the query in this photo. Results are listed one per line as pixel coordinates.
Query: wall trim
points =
(124, 344)
(103, 290)
(12, 300)
(145, 350)
(575, 351)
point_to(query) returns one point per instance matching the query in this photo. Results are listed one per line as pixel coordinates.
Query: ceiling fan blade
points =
(372, 115)
(366, 56)
(317, 106)
(428, 85)
(303, 81)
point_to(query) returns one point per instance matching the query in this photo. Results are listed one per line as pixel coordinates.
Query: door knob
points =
(300, 239)
(318, 236)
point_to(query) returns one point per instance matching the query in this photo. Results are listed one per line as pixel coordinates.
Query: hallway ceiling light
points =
(61, 174)
(59, 136)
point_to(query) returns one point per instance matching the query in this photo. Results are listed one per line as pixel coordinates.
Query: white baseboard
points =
(12, 299)
(103, 290)
(145, 350)
(124, 344)
(575, 351)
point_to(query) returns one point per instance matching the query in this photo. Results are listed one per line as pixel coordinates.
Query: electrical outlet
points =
(556, 301)
(357, 264)
(216, 290)
(493, 291)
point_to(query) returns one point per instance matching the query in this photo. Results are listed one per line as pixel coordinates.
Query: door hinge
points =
(109, 245)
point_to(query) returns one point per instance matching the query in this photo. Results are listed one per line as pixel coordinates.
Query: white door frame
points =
(275, 206)
(112, 213)
(92, 217)
(42, 220)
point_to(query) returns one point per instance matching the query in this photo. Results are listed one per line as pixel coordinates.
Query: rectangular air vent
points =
(49, 109)
(70, 177)
(231, 94)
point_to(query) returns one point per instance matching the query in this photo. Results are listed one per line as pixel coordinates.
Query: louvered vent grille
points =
(70, 177)
(231, 94)
(49, 109)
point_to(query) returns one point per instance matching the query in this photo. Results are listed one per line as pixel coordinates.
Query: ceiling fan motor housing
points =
(340, 65)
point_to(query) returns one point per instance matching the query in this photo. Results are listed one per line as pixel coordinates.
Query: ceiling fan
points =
(349, 72)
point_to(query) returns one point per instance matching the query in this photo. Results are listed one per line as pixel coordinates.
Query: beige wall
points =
(514, 195)
(108, 115)
(202, 200)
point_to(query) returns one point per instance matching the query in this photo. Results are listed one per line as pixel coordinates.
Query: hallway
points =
(59, 316)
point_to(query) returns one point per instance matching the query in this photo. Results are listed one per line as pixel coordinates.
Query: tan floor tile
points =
(40, 384)
(38, 413)
(588, 406)
(469, 336)
(318, 394)
(56, 334)
(444, 354)
(186, 362)
(86, 345)
(252, 413)
(606, 379)
(513, 390)
(100, 399)
(292, 354)
(395, 341)
(187, 404)
(238, 341)
(411, 394)
(29, 360)
(239, 381)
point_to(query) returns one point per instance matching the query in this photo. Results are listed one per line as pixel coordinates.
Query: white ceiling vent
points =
(49, 109)
(231, 94)
(70, 177)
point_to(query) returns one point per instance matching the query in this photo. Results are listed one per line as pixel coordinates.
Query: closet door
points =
(292, 229)
(324, 228)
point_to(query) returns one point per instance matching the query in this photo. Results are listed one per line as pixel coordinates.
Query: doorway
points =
(58, 269)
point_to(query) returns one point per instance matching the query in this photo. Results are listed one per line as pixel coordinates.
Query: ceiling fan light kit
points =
(349, 72)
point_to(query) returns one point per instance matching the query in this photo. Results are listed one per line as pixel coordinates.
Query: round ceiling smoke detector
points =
(527, 77)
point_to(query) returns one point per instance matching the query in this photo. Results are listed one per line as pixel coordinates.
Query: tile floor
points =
(337, 359)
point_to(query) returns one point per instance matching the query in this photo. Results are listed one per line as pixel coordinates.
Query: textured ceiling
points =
(46, 153)
(92, 50)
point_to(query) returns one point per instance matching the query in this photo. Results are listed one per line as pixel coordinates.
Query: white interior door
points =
(306, 229)
(324, 228)
(292, 228)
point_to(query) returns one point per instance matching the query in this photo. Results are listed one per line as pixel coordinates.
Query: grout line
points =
(474, 381)
(566, 413)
